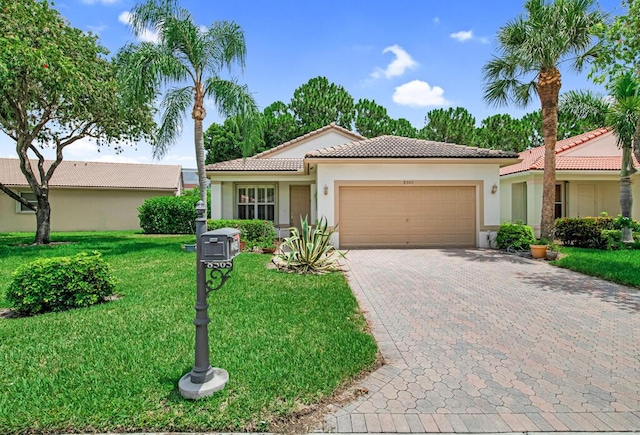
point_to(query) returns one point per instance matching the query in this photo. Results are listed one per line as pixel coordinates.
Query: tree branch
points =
(17, 197)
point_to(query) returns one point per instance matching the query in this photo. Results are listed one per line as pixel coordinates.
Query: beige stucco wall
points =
(81, 210)
(323, 140)
(488, 213)
(579, 201)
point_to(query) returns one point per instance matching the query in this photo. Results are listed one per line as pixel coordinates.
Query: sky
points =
(410, 56)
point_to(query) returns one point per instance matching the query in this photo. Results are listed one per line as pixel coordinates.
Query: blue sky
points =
(410, 56)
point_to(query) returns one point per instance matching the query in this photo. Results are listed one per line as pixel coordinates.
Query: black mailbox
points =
(219, 245)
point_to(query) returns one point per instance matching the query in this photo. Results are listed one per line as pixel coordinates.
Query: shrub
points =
(584, 232)
(168, 215)
(515, 236)
(253, 232)
(195, 194)
(57, 284)
(611, 239)
(309, 250)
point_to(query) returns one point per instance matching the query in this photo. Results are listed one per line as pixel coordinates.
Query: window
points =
(29, 196)
(559, 202)
(256, 202)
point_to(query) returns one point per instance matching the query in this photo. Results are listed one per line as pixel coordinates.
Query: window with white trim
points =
(256, 202)
(29, 196)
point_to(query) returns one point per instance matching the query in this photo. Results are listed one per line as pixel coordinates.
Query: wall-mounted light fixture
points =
(326, 189)
(494, 189)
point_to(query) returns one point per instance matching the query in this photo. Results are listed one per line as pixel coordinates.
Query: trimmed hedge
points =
(58, 284)
(253, 232)
(168, 215)
(590, 232)
(515, 236)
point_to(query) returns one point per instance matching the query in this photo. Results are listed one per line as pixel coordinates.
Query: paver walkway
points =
(480, 341)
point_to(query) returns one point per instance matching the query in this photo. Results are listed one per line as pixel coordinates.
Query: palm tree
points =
(186, 63)
(624, 119)
(531, 49)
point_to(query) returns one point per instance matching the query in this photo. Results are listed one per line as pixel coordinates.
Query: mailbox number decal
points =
(219, 264)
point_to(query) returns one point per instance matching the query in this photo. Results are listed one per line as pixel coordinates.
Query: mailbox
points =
(219, 245)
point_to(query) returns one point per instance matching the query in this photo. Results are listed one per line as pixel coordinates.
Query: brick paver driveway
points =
(479, 341)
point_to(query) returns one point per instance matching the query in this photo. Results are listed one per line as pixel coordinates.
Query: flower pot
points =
(552, 255)
(243, 245)
(269, 250)
(538, 251)
(189, 247)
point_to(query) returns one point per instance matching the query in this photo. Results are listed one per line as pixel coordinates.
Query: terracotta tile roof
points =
(309, 135)
(533, 159)
(258, 165)
(402, 147)
(99, 175)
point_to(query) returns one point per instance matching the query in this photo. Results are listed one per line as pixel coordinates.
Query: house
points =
(386, 191)
(87, 196)
(587, 180)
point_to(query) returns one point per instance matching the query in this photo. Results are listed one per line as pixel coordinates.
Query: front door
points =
(300, 204)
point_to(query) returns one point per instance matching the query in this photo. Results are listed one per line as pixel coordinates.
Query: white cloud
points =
(117, 158)
(81, 148)
(97, 29)
(467, 35)
(146, 36)
(463, 35)
(398, 66)
(104, 2)
(419, 94)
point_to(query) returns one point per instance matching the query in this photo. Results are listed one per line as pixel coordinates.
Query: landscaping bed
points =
(287, 341)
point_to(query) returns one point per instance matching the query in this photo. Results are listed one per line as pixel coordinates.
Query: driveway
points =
(480, 341)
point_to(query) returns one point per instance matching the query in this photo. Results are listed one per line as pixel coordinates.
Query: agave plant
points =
(308, 250)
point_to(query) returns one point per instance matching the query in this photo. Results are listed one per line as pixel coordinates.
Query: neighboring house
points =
(190, 179)
(387, 191)
(87, 196)
(587, 180)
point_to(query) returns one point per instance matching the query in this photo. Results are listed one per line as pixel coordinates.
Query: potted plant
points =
(539, 248)
(552, 251)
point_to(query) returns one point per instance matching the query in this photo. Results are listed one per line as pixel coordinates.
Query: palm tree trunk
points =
(198, 115)
(548, 90)
(626, 194)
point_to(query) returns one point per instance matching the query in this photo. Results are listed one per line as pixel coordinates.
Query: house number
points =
(407, 182)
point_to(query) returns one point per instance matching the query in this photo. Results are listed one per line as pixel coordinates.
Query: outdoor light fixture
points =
(494, 189)
(326, 189)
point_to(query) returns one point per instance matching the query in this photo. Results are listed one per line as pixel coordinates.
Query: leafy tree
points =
(502, 132)
(318, 103)
(57, 87)
(279, 125)
(371, 119)
(452, 125)
(191, 60)
(221, 144)
(402, 127)
(623, 118)
(531, 48)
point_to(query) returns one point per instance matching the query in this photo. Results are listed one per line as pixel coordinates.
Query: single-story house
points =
(386, 191)
(587, 180)
(87, 196)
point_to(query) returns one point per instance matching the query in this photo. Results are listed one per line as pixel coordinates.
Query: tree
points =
(452, 125)
(221, 144)
(318, 103)
(57, 87)
(531, 48)
(191, 60)
(402, 127)
(371, 119)
(502, 132)
(279, 125)
(581, 111)
(623, 119)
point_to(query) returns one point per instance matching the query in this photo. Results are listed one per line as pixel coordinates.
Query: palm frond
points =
(174, 106)
(225, 46)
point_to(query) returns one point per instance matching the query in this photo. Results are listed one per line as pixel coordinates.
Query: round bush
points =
(168, 215)
(57, 284)
(514, 236)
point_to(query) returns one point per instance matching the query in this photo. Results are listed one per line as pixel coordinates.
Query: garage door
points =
(407, 216)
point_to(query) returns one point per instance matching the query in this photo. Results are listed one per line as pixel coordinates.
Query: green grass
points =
(285, 340)
(618, 266)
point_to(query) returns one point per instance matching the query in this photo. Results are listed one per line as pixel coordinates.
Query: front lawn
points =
(286, 340)
(618, 266)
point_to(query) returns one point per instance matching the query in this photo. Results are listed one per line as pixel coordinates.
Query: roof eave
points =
(502, 161)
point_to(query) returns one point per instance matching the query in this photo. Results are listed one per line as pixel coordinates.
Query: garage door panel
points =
(407, 216)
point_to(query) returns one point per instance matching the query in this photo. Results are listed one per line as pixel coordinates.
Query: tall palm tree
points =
(531, 49)
(186, 63)
(624, 119)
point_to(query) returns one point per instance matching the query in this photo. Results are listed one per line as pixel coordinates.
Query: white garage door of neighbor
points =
(407, 216)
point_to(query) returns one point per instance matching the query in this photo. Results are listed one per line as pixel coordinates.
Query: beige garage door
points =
(407, 216)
